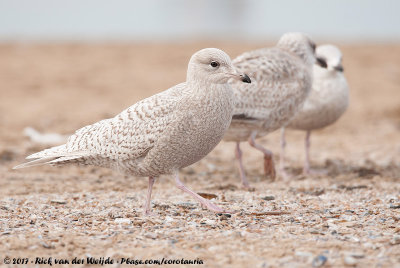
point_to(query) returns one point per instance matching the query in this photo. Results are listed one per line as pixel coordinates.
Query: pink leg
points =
(238, 153)
(202, 200)
(282, 171)
(269, 166)
(306, 169)
(147, 207)
(307, 166)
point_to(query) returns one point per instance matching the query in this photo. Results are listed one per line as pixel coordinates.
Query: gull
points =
(160, 134)
(328, 100)
(281, 80)
(49, 139)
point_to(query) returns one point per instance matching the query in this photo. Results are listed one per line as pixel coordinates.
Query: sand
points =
(348, 217)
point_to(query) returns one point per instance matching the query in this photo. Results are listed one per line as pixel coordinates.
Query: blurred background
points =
(172, 20)
(65, 64)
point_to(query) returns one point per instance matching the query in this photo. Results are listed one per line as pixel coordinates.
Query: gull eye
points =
(214, 64)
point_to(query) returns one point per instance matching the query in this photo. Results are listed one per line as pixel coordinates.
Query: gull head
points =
(299, 44)
(329, 57)
(214, 66)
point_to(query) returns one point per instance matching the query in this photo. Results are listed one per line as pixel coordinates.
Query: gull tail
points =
(37, 162)
(50, 156)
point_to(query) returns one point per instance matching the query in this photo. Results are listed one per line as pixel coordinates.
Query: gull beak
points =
(321, 62)
(238, 76)
(245, 78)
(233, 73)
(339, 68)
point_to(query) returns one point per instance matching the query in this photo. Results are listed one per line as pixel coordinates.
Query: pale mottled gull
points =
(281, 81)
(49, 139)
(163, 133)
(328, 100)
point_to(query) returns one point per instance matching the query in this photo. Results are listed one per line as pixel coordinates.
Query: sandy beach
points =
(349, 217)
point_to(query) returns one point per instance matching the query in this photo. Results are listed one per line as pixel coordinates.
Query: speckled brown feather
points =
(160, 134)
(281, 82)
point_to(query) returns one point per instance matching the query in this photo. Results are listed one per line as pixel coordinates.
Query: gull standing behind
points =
(281, 81)
(328, 100)
(163, 133)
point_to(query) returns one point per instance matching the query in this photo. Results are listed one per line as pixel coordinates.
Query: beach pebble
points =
(350, 261)
(319, 261)
(122, 221)
(268, 198)
(395, 240)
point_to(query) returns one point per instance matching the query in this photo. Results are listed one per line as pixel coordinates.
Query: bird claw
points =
(149, 213)
(247, 187)
(212, 207)
(284, 175)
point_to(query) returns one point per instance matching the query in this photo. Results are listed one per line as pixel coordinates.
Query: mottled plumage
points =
(281, 81)
(328, 100)
(160, 134)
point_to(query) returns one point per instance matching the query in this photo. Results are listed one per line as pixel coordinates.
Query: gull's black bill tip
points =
(246, 78)
(339, 68)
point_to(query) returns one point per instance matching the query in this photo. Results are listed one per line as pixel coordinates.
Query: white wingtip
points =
(36, 162)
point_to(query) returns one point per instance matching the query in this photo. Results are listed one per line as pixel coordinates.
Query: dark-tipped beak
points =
(339, 68)
(321, 62)
(245, 78)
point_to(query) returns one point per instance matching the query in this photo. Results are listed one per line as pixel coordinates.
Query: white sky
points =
(374, 20)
